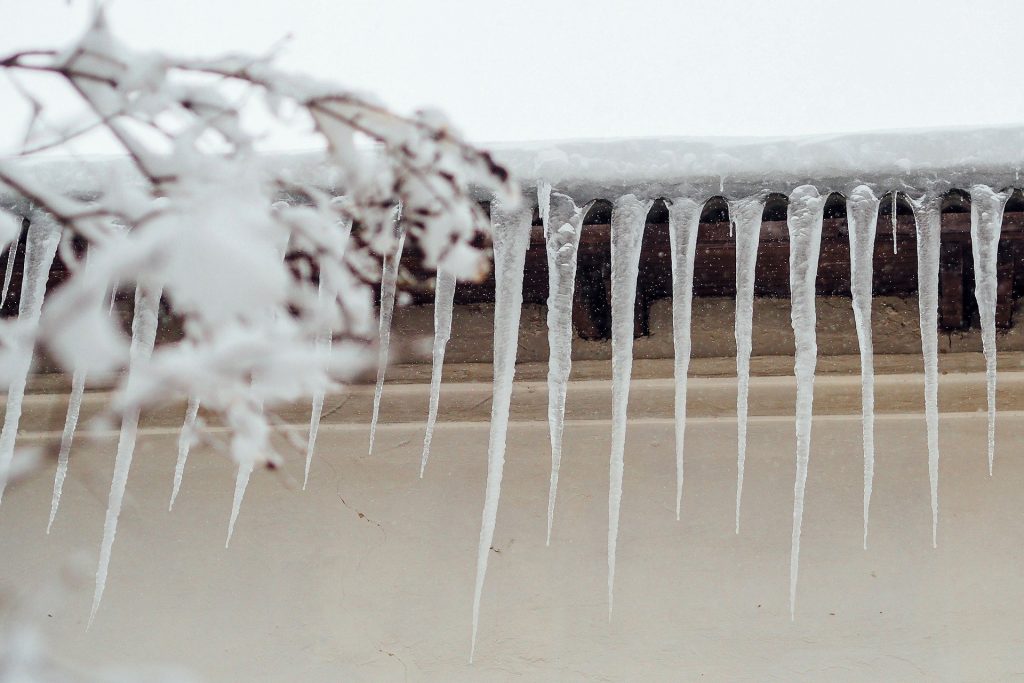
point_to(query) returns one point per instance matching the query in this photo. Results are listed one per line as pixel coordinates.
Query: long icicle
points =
(928, 221)
(562, 241)
(986, 225)
(805, 214)
(40, 248)
(683, 223)
(895, 196)
(444, 303)
(324, 343)
(629, 216)
(388, 287)
(511, 234)
(66, 437)
(9, 270)
(746, 214)
(862, 221)
(70, 425)
(144, 326)
(185, 436)
(242, 476)
(246, 466)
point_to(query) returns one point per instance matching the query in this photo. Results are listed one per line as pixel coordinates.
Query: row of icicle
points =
(563, 222)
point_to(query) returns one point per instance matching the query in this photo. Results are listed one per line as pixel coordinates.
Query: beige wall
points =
(368, 575)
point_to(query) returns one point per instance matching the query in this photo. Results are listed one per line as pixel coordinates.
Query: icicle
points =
(388, 286)
(629, 216)
(113, 298)
(746, 213)
(806, 211)
(544, 204)
(561, 246)
(9, 272)
(862, 218)
(683, 222)
(928, 221)
(986, 225)
(70, 423)
(241, 483)
(324, 343)
(40, 248)
(314, 428)
(894, 220)
(144, 326)
(511, 234)
(185, 437)
(444, 302)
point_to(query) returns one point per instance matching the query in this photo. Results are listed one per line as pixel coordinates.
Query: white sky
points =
(536, 69)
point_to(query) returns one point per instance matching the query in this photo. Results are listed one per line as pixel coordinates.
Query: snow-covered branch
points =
(257, 263)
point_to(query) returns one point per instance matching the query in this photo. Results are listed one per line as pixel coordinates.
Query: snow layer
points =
(921, 159)
(654, 167)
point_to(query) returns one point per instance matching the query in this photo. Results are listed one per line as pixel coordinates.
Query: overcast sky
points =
(550, 69)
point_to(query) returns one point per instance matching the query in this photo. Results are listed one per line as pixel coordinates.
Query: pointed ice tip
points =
(92, 612)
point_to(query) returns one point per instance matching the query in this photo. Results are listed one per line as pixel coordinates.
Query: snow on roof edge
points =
(908, 160)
